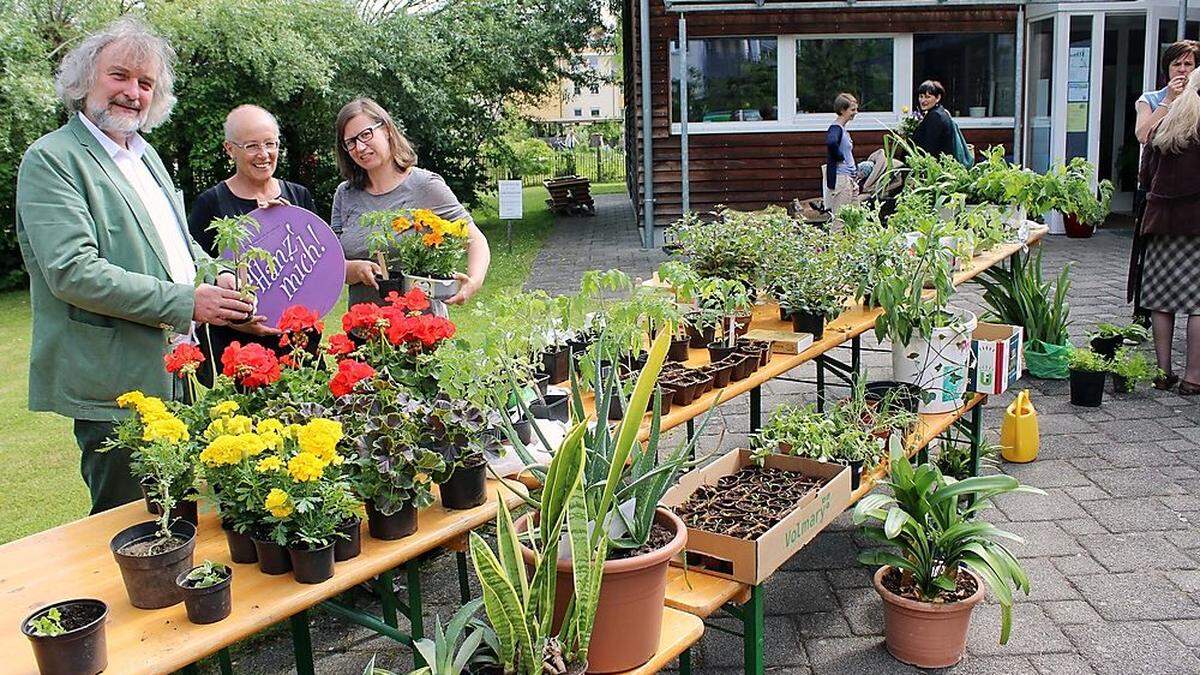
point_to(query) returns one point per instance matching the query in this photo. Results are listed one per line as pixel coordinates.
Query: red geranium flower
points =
(251, 366)
(365, 317)
(433, 329)
(297, 323)
(340, 345)
(184, 359)
(349, 373)
(414, 300)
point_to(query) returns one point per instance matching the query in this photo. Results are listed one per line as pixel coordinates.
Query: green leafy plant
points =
(231, 236)
(48, 624)
(1019, 296)
(1131, 332)
(907, 309)
(1087, 360)
(954, 458)
(416, 242)
(934, 536)
(456, 646)
(206, 575)
(1133, 367)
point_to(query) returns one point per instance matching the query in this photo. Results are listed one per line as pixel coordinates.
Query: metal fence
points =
(600, 165)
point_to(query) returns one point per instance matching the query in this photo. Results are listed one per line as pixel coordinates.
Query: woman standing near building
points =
(840, 171)
(381, 172)
(1171, 226)
(935, 134)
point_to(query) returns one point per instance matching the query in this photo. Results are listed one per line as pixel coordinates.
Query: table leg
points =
(685, 662)
(755, 409)
(464, 582)
(225, 661)
(190, 669)
(302, 643)
(753, 628)
(976, 437)
(820, 383)
(855, 360)
(691, 433)
(385, 585)
(415, 618)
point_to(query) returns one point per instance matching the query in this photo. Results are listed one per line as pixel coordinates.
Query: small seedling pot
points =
(717, 351)
(206, 605)
(679, 349)
(82, 649)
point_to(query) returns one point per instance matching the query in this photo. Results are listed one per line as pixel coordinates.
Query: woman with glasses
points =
(381, 172)
(252, 142)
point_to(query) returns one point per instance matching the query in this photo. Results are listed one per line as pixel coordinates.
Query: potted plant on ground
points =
(1083, 205)
(423, 249)
(1088, 371)
(1019, 296)
(68, 637)
(206, 592)
(942, 557)
(465, 645)
(1130, 368)
(152, 554)
(1109, 337)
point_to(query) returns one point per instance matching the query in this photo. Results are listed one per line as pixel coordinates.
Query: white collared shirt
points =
(180, 265)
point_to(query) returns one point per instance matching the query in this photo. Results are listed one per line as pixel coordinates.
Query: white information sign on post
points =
(510, 200)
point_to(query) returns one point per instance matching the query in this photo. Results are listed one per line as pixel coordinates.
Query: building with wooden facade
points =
(1047, 80)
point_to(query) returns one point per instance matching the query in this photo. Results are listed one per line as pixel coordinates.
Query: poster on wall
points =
(1077, 91)
(1079, 64)
(1077, 117)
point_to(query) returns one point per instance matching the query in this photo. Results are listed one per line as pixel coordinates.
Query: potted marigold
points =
(153, 553)
(419, 246)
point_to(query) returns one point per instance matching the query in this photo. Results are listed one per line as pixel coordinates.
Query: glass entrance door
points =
(1040, 95)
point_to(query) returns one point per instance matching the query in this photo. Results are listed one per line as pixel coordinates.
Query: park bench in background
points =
(570, 195)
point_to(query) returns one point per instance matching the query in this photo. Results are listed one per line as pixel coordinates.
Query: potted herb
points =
(206, 592)
(423, 249)
(391, 470)
(1083, 205)
(1088, 370)
(814, 292)
(1130, 368)
(68, 637)
(731, 300)
(465, 645)
(152, 554)
(1109, 337)
(941, 557)
(1019, 296)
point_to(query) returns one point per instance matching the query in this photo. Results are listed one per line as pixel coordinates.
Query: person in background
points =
(1171, 226)
(1178, 62)
(112, 269)
(935, 134)
(841, 174)
(381, 173)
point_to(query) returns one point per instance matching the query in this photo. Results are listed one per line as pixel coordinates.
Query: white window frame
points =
(785, 87)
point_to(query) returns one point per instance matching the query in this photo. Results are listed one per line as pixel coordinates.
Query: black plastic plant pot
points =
(186, 509)
(311, 565)
(386, 286)
(743, 324)
(1121, 385)
(721, 373)
(241, 546)
(524, 429)
(616, 411)
(273, 559)
(150, 576)
(855, 473)
(152, 507)
(391, 527)
(351, 545)
(679, 349)
(556, 363)
(82, 649)
(900, 395)
(541, 381)
(1087, 388)
(554, 407)
(699, 339)
(809, 323)
(685, 392)
(667, 400)
(785, 314)
(466, 488)
(742, 367)
(1107, 346)
(717, 351)
(207, 605)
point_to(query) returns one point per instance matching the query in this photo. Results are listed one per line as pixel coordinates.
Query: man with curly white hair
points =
(111, 264)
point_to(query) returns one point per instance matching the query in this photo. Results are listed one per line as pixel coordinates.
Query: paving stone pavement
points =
(1112, 550)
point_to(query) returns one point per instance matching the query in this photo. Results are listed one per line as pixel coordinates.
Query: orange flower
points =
(401, 224)
(433, 238)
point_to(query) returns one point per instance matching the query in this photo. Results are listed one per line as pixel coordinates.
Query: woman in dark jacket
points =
(935, 134)
(1171, 223)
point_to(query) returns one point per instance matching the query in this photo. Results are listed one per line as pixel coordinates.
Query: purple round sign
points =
(310, 268)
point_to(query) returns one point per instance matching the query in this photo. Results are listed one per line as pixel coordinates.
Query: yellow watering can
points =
(1019, 432)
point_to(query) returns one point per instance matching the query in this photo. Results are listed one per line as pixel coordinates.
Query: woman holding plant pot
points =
(1171, 224)
(381, 172)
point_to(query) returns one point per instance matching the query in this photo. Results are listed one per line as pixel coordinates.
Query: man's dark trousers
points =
(106, 474)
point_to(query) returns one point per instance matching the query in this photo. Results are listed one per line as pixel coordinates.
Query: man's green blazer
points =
(103, 302)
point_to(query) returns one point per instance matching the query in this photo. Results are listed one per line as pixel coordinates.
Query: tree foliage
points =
(446, 71)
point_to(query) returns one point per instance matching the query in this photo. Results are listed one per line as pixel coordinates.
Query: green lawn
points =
(40, 486)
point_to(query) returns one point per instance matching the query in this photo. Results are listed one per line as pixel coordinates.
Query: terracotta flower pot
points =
(629, 614)
(925, 634)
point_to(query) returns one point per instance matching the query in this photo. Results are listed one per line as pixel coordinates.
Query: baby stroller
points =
(878, 186)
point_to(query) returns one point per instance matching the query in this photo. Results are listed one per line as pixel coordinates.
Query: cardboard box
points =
(753, 561)
(782, 341)
(996, 350)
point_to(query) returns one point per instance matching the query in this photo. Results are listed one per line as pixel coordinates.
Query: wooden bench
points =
(570, 195)
(680, 630)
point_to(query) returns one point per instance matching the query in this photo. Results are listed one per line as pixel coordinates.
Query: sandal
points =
(1166, 382)
(1188, 388)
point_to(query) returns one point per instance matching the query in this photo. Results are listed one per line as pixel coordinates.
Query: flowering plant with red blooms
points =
(414, 300)
(298, 323)
(340, 345)
(364, 320)
(251, 366)
(349, 373)
(184, 360)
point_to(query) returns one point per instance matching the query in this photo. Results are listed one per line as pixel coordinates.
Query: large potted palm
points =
(941, 558)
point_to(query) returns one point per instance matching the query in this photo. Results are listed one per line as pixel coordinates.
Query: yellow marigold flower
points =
(273, 441)
(223, 409)
(320, 437)
(457, 228)
(278, 503)
(169, 428)
(224, 450)
(291, 431)
(239, 424)
(251, 444)
(269, 425)
(268, 464)
(131, 398)
(151, 408)
(305, 467)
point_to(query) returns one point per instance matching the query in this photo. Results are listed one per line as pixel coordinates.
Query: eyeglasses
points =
(255, 148)
(363, 136)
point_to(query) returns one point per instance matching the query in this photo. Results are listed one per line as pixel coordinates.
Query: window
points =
(595, 112)
(593, 63)
(978, 71)
(826, 67)
(579, 112)
(729, 79)
(595, 89)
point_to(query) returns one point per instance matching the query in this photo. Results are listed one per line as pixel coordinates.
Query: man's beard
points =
(119, 124)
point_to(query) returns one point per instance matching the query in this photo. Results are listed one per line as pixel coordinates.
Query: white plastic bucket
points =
(939, 366)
